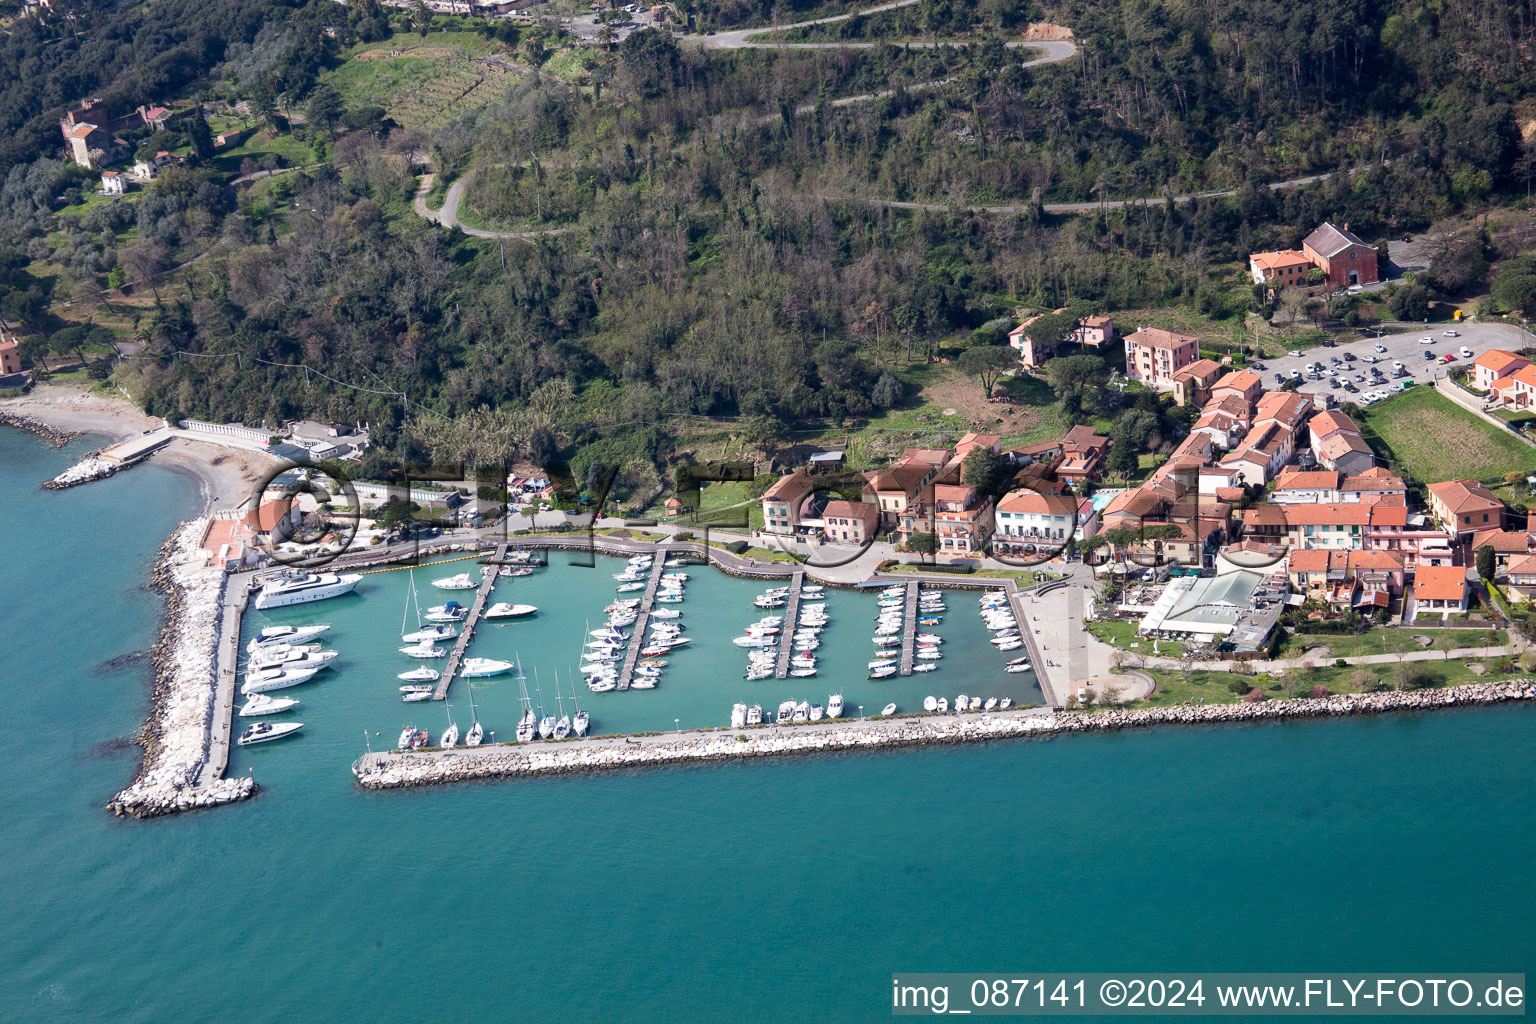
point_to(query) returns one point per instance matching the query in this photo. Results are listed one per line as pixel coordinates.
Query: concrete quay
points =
(398, 769)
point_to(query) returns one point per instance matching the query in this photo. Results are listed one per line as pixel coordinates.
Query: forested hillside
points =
(722, 250)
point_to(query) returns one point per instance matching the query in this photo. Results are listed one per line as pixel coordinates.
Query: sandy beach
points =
(228, 475)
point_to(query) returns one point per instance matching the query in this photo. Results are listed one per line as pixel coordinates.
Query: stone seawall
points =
(92, 467)
(57, 438)
(421, 768)
(175, 737)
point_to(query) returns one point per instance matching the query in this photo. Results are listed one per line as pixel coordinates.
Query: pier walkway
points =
(909, 630)
(471, 620)
(237, 591)
(791, 621)
(643, 619)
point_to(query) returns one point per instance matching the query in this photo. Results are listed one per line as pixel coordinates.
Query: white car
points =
(1426, 340)
(1380, 347)
(1466, 353)
(1295, 353)
(1452, 333)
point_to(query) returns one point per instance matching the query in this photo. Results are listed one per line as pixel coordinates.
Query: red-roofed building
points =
(1029, 517)
(1343, 258)
(226, 544)
(850, 522)
(1521, 577)
(1192, 384)
(1243, 384)
(1094, 331)
(1297, 487)
(1374, 485)
(1032, 353)
(1493, 365)
(782, 502)
(1440, 590)
(970, 442)
(1465, 507)
(961, 519)
(1517, 390)
(1153, 355)
(1281, 269)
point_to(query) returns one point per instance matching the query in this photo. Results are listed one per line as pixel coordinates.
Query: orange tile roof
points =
(1241, 380)
(1379, 561)
(1500, 361)
(268, 514)
(1027, 502)
(1201, 368)
(953, 492)
(1460, 496)
(1440, 583)
(1329, 422)
(789, 487)
(1308, 560)
(1522, 566)
(1279, 258)
(1156, 337)
(1384, 515)
(1374, 479)
(1322, 514)
(1316, 479)
(1341, 443)
(1502, 541)
(840, 509)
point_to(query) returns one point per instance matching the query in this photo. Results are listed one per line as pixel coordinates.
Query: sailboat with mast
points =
(451, 734)
(476, 732)
(546, 722)
(423, 636)
(529, 721)
(579, 721)
(563, 726)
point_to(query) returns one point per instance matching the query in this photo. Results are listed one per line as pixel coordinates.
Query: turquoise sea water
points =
(773, 891)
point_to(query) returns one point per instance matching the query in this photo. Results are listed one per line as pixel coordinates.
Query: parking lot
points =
(1404, 347)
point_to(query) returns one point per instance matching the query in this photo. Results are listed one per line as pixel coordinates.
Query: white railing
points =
(228, 429)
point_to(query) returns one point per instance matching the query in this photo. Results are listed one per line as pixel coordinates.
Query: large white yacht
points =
(303, 656)
(463, 581)
(269, 679)
(289, 588)
(260, 704)
(503, 610)
(265, 732)
(478, 668)
(273, 636)
(430, 634)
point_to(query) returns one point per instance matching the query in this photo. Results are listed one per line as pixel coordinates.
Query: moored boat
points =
(463, 581)
(261, 704)
(266, 732)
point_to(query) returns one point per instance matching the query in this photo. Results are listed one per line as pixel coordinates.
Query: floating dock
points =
(791, 621)
(471, 620)
(643, 619)
(909, 630)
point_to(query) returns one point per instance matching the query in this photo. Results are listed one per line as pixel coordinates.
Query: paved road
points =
(448, 215)
(1401, 345)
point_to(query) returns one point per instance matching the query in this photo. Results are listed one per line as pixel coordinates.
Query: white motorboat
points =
(755, 674)
(303, 656)
(450, 612)
(755, 715)
(802, 712)
(475, 736)
(888, 710)
(666, 613)
(930, 704)
(674, 563)
(802, 672)
(417, 688)
(786, 712)
(882, 662)
(928, 654)
(626, 588)
(883, 672)
(768, 602)
(266, 732)
(503, 610)
(430, 634)
(1005, 703)
(1011, 645)
(406, 735)
(479, 668)
(990, 704)
(423, 651)
(676, 641)
(290, 588)
(450, 737)
(669, 598)
(273, 636)
(817, 712)
(643, 683)
(261, 704)
(268, 679)
(929, 638)
(943, 703)
(962, 702)
(417, 697)
(835, 706)
(463, 581)
(738, 715)
(925, 667)
(421, 675)
(811, 588)
(1013, 669)
(602, 684)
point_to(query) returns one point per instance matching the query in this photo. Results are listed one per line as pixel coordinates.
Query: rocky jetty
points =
(175, 738)
(92, 467)
(55, 437)
(430, 767)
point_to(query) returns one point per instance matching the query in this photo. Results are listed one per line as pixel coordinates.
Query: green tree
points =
(886, 392)
(324, 108)
(1484, 559)
(987, 365)
(1409, 302)
(980, 468)
(200, 135)
(1515, 285)
(1075, 380)
(923, 543)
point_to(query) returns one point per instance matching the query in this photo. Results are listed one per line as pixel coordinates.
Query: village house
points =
(1277, 270)
(1440, 590)
(1306, 487)
(1153, 355)
(1337, 444)
(850, 522)
(1343, 258)
(1521, 578)
(273, 522)
(226, 544)
(1094, 331)
(1465, 507)
(1044, 521)
(10, 355)
(1495, 364)
(781, 503)
(971, 441)
(1507, 546)
(1192, 384)
(1082, 455)
(1346, 579)
(962, 519)
(1374, 485)
(113, 183)
(1032, 353)
(1243, 384)
(895, 491)
(674, 507)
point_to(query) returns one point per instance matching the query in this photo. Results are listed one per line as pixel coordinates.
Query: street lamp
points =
(676, 728)
(861, 712)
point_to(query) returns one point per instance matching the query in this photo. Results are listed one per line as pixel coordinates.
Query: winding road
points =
(448, 215)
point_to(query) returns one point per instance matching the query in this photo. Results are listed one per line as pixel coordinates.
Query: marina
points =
(909, 629)
(467, 630)
(642, 620)
(791, 621)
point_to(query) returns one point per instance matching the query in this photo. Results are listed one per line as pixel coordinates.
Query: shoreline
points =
(225, 475)
(176, 734)
(397, 770)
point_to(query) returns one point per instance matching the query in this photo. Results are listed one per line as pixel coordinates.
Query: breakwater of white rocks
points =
(421, 768)
(175, 738)
(92, 467)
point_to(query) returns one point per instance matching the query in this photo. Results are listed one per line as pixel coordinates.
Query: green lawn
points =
(1122, 634)
(1177, 687)
(1391, 641)
(1431, 439)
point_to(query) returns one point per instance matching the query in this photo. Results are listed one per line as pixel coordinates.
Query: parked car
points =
(1349, 357)
(1452, 333)
(1429, 357)
(1466, 353)
(1279, 378)
(1380, 347)
(1295, 353)
(1333, 382)
(1351, 388)
(1426, 340)
(1355, 289)
(1450, 357)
